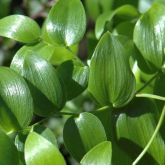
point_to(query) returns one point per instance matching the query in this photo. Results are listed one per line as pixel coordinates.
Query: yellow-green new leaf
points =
(149, 34)
(9, 154)
(111, 81)
(66, 22)
(82, 133)
(16, 105)
(101, 154)
(20, 28)
(39, 151)
(42, 79)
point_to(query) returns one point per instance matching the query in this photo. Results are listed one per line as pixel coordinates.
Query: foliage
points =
(85, 84)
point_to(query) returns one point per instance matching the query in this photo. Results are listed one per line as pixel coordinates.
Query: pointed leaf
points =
(88, 131)
(66, 29)
(16, 105)
(100, 154)
(111, 81)
(42, 79)
(19, 28)
(9, 154)
(149, 35)
(39, 151)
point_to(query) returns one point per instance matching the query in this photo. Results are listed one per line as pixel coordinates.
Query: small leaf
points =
(19, 28)
(138, 124)
(149, 35)
(16, 105)
(39, 151)
(69, 28)
(42, 79)
(88, 131)
(9, 154)
(111, 81)
(101, 154)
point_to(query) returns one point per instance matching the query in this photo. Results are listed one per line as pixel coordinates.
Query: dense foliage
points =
(94, 69)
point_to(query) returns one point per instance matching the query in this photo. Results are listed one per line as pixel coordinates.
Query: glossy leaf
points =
(101, 154)
(66, 29)
(138, 124)
(20, 28)
(39, 151)
(9, 154)
(46, 133)
(149, 35)
(111, 81)
(74, 76)
(42, 79)
(126, 12)
(88, 131)
(16, 105)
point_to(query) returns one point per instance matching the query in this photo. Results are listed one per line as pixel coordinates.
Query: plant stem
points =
(152, 137)
(151, 96)
(147, 83)
(103, 108)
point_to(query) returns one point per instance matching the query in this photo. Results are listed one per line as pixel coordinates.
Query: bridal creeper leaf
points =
(42, 79)
(46, 152)
(19, 28)
(88, 131)
(149, 34)
(100, 154)
(66, 22)
(111, 81)
(16, 105)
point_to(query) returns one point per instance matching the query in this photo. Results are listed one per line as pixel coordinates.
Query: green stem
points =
(147, 83)
(103, 108)
(151, 96)
(152, 137)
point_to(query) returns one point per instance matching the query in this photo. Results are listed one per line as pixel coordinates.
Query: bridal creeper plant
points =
(125, 76)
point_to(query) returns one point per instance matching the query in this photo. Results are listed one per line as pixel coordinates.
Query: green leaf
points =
(19, 28)
(149, 35)
(95, 7)
(42, 79)
(111, 81)
(16, 105)
(69, 28)
(74, 76)
(46, 133)
(88, 131)
(138, 124)
(5, 5)
(101, 154)
(39, 151)
(9, 154)
(125, 12)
